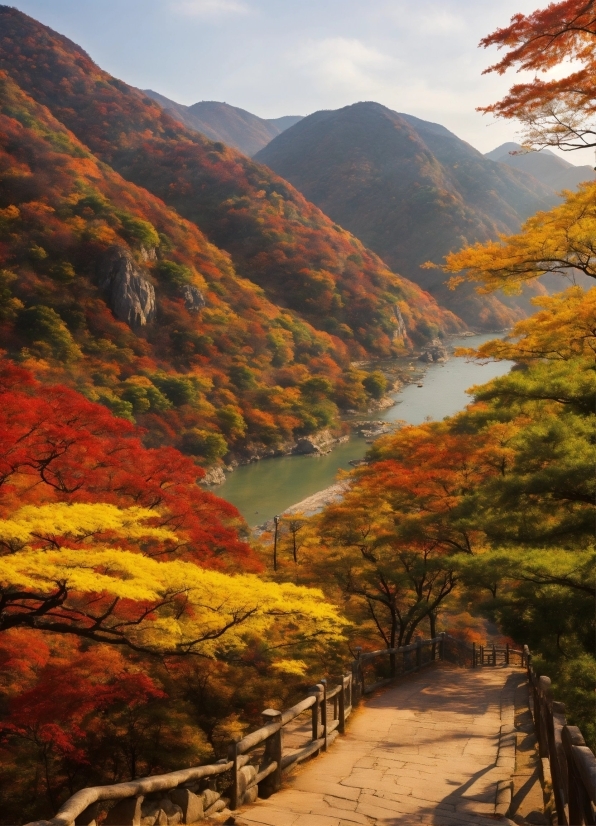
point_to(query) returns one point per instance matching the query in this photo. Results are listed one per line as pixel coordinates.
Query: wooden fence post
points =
(273, 752)
(234, 792)
(473, 655)
(526, 658)
(580, 799)
(323, 685)
(442, 646)
(317, 690)
(507, 654)
(418, 654)
(342, 703)
(358, 674)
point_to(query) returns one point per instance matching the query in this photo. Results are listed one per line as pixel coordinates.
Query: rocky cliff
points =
(128, 293)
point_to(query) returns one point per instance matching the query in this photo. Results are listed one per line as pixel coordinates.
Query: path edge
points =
(506, 748)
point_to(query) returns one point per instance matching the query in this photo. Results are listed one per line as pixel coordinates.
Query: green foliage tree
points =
(375, 384)
(175, 274)
(207, 444)
(45, 330)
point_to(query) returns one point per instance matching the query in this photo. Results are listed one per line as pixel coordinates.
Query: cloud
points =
(441, 22)
(210, 8)
(343, 63)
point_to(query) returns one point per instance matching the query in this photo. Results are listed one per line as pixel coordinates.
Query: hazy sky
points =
(290, 57)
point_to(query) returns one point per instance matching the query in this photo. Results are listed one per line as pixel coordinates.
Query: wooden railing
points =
(571, 763)
(256, 764)
(496, 655)
(329, 709)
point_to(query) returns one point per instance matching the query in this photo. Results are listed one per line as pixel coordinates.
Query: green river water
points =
(263, 489)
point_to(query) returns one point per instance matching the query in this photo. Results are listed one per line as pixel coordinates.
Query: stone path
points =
(421, 752)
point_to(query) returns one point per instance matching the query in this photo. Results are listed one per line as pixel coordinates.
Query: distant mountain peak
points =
(550, 169)
(228, 124)
(411, 190)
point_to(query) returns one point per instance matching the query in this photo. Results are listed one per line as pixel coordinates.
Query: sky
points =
(294, 57)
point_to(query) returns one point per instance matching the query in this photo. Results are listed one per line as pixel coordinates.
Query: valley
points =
(243, 474)
(263, 489)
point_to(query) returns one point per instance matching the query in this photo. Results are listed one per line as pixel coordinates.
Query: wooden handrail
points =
(256, 762)
(572, 763)
(83, 799)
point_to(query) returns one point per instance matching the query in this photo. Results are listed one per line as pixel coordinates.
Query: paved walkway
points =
(423, 751)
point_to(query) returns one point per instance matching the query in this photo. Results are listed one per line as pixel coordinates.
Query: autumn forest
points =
(169, 306)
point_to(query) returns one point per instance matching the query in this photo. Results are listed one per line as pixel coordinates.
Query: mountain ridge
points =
(231, 125)
(545, 166)
(275, 237)
(411, 190)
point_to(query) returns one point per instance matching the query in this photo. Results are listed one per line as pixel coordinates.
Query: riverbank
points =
(262, 489)
(308, 507)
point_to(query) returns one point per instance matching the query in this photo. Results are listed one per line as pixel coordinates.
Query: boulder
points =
(435, 351)
(317, 444)
(213, 477)
(218, 806)
(126, 812)
(150, 812)
(129, 295)
(190, 804)
(194, 300)
(170, 814)
(209, 798)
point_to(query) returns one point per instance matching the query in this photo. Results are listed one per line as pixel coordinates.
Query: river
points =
(263, 489)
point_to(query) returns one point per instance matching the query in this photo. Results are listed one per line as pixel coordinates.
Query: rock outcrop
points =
(435, 351)
(129, 295)
(213, 477)
(400, 331)
(319, 443)
(194, 299)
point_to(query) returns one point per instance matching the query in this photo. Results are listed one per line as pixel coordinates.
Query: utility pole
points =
(276, 521)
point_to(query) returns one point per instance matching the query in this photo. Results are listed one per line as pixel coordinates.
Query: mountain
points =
(276, 239)
(228, 124)
(105, 288)
(411, 191)
(545, 166)
(108, 288)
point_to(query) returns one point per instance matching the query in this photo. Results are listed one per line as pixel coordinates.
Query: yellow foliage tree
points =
(558, 241)
(563, 328)
(64, 570)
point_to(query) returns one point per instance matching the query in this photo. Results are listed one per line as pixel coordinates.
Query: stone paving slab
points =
(421, 752)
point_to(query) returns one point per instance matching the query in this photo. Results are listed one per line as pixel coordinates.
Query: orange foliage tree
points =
(558, 111)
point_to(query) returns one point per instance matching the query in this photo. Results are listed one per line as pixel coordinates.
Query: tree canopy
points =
(558, 111)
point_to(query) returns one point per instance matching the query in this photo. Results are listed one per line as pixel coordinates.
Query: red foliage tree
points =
(554, 112)
(55, 445)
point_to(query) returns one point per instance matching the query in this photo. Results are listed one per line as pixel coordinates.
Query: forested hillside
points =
(411, 191)
(276, 238)
(105, 287)
(109, 289)
(135, 635)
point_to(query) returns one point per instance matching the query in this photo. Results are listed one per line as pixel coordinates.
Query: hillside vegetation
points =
(275, 237)
(199, 354)
(488, 512)
(411, 191)
(230, 370)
